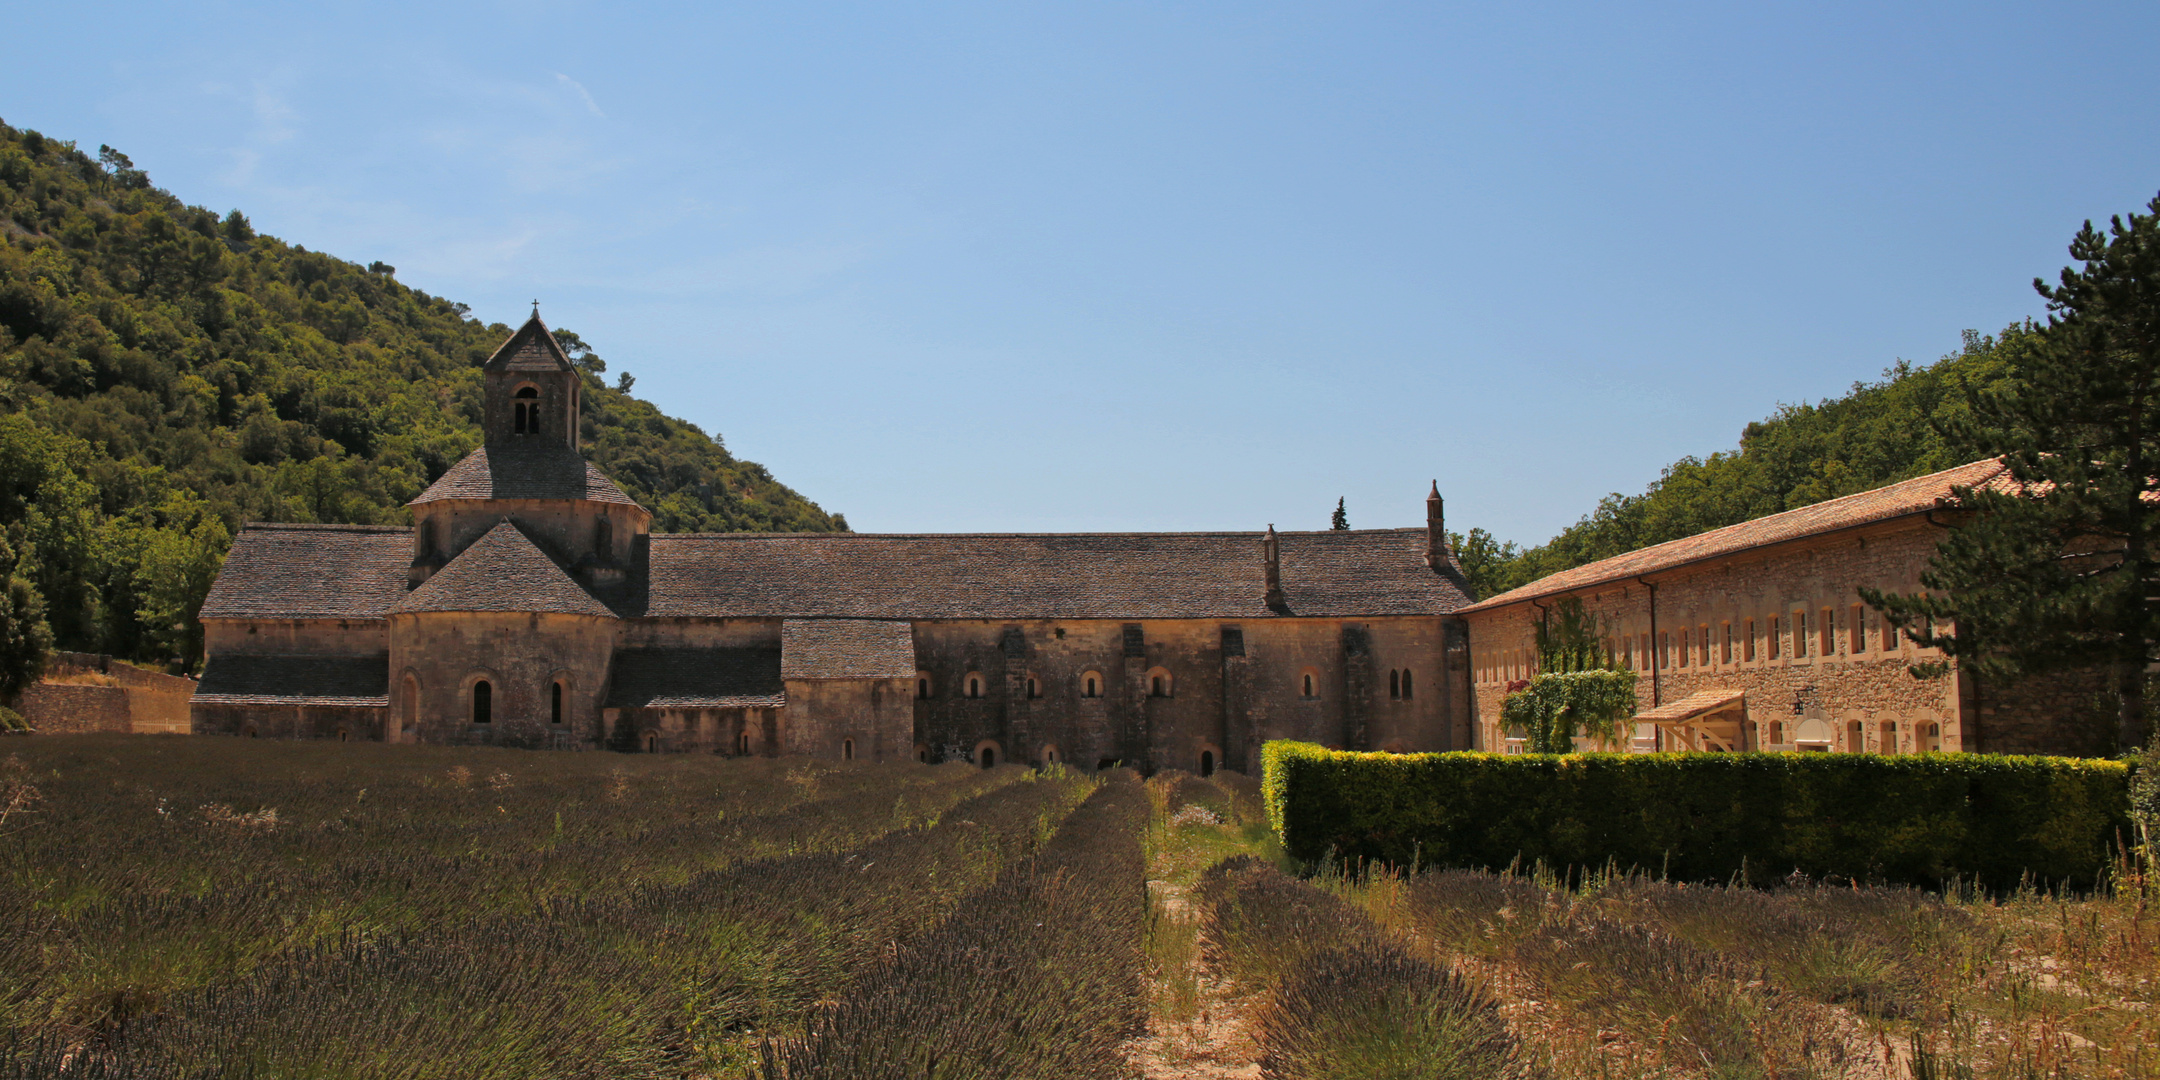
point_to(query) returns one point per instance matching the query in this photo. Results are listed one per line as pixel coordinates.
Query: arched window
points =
(922, 686)
(974, 685)
(742, 744)
(847, 749)
(1406, 688)
(483, 702)
(1777, 732)
(1887, 742)
(1034, 687)
(1159, 683)
(922, 753)
(652, 742)
(408, 714)
(525, 411)
(987, 755)
(1394, 684)
(604, 539)
(341, 735)
(1309, 683)
(1049, 755)
(1091, 685)
(555, 702)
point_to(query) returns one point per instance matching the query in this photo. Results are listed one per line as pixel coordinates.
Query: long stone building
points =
(531, 605)
(1754, 637)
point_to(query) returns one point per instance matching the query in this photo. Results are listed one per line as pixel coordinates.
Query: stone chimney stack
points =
(1271, 551)
(1435, 529)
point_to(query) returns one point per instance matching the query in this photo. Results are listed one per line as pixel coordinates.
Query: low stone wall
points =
(88, 692)
(337, 722)
(75, 708)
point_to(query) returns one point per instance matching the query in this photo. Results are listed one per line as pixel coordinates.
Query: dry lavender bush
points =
(1343, 998)
(1037, 976)
(1624, 976)
(179, 907)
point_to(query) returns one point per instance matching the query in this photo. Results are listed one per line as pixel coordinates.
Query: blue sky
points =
(1111, 266)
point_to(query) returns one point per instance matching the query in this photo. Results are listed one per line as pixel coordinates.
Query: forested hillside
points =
(1878, 433)
(167, 374)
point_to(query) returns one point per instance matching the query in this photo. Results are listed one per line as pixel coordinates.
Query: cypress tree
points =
(2054, 568)
(1341, 520)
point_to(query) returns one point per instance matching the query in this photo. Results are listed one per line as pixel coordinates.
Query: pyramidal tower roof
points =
(503, 571)
(532, 348)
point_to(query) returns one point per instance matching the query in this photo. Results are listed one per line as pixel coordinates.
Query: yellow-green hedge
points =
(1708, 817)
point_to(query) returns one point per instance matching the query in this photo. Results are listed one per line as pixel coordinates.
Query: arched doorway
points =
(1207, 762)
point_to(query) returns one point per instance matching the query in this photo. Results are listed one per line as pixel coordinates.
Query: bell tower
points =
(531, 392)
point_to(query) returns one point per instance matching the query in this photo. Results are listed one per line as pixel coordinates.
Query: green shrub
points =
(1924, 819)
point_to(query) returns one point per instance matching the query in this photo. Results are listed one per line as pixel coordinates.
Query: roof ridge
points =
(1255, 533)
(323, 526)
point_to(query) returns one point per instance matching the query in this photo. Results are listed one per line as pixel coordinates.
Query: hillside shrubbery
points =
(167, 374)
(1878, 433)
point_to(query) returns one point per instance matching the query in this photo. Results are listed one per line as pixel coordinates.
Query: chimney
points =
(1435, 529)
(1271, 550)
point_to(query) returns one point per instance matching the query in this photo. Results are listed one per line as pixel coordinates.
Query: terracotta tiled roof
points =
(545, 470)
(1359, 573)
(230, 679)
(846, 649)
(311, 572)
(531, 348)
(1692, 706)
(1881, 504)
(696, 678)
(503, 571)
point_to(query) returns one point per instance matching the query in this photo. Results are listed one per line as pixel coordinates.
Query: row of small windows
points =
(974, 686)
(1798, 637)
(1402, 685)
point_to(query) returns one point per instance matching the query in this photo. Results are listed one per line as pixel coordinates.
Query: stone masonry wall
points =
(1227, 687)
(1844, 694)
(437, 657)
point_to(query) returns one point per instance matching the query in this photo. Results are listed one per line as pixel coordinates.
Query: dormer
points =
(531, 391)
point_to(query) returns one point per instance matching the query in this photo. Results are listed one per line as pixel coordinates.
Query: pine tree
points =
(2056, 569)
(1341, 520)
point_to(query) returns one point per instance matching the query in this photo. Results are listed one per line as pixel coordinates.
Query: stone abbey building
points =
(531, 605)
(1754, 637)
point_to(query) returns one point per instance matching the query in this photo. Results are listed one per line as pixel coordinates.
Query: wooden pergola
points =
(1713, 719)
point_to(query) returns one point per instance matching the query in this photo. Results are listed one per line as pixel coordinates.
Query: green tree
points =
(24, 636)
(2057, 569)
(1488, 564)
(1341, 518)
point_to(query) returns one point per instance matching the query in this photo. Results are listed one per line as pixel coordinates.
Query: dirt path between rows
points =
(1219, 1043)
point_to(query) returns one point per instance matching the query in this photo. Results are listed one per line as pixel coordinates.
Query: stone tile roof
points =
(503, 571)
(1356, 573)
(311, 572)
(545, 470)
(696, 678)
(846, 649)
(1898, 500)
(530, 348)
(239, 679)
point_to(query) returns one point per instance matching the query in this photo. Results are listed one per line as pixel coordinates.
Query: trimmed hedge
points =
(1921, 819)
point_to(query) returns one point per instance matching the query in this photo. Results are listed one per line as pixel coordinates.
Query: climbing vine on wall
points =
(1558, 706)
(1579, 688)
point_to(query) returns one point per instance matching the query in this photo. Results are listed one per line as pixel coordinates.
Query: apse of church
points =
(530, 605)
